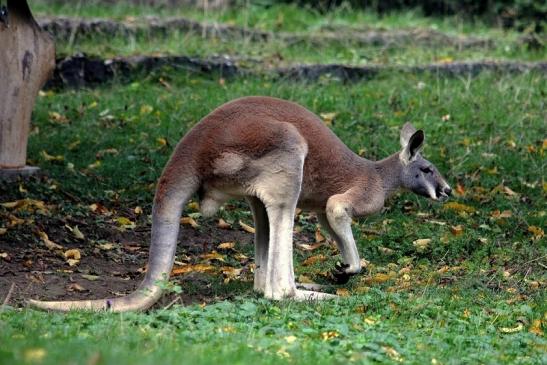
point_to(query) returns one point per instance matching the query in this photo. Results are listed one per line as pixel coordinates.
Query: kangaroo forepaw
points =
(340, 275)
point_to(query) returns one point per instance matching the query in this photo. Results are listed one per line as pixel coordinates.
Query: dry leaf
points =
(73, 254)
(458, 207)
(517, 328)
(536, 232)
(72, 262)
(535, 328)
(318, 236)
(212, 256)
(90, 277)
(106, 246)
(226, 246)
(313, 259)
(137, 210)
(57, 118)
(307, 247)
(460, 190)
(222, 224)
(421, 244)
(290, 339)
(386, 250)
(76, 287)
(181, 270)
(189, 221)
(246, 227)
(100, 209)
(496, 214)
(391, 352)
(48, 243)
(328, 117)
(75, 231)
(305, 279)
(456, 230)
(3, 231)
(342, 292)
(49, 157)
(125, 223)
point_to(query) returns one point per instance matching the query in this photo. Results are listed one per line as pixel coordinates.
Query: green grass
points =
(462, 296)
(289, 18)
(439, 326)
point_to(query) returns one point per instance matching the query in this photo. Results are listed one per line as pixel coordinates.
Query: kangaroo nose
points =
(447, 191)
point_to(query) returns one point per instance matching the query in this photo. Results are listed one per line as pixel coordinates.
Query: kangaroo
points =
(278, 156)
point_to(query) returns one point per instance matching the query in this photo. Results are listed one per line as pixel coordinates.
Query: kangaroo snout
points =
(444, 192)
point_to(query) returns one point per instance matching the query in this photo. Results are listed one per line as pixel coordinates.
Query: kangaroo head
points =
(418, 174)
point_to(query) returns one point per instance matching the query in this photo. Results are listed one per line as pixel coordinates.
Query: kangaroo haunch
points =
(278, 156)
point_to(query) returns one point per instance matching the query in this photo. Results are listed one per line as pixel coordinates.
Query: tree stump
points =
(27, 60)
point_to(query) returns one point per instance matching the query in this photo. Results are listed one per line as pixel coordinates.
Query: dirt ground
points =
(30, 270)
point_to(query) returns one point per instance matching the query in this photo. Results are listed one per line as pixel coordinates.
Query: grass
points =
(289, 18)
(474, 294)
(464, 294)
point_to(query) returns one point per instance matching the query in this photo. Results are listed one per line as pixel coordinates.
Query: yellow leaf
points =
(458, 207)
(48, 243)
(496, 214)
(536, 232)
(246, 227)
(456, 230)
(146, 109)
(307, 247)
(329, 335)
(106, 246)
(290, 339)
(328, 117)
(181, 270)
(226, 246)
(76, 232)
(72, 262)
(535, 328)
(49, 157)
(370, 321)
(138, 210)
(94, 165)
(212, 256)
(161, 141)
(313, 259)
(193, 206)
(342, 292)
(34, 355)
(73, 254)
(222, 224)
(421, 244)
(305, 279)
(391, 352)
(189, 221)
(318, 236)
(125, 223)
(3, 231)
(517, 328)
(57, 118)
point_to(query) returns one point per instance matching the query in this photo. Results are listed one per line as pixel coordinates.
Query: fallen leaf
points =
(517, 328)
(421, 244)
(328, 117)
(318, 236)
(212, 256)
(246, 227)
(535, 328)
(3, 231)
(146, 109)
(329, 335)
(72, 262)
(34, 355)
(48, 243)
(305, 279)
(75, 231)
(456, 230)
(460, 190)
(189, 221)
(49, 157)
(137, 210)
(125, 223)
(226, 246)
(57, 118)
(181, 270)
(73, 254)
(342, 292)
(100, 209)
(161, 141)
(386, 250)
(230, 273)
(458, 207)
(290, 339)
(313, 259)
(496, 214)
(222, 224)
(536, 232)
(307, 247)
(75, 287)
(94, 165)
(106, 246)
(391, 352)
(90, 277)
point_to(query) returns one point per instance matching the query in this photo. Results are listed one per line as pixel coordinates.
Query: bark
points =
(27, 60)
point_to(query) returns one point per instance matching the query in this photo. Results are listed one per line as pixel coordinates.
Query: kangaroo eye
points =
(426, 170)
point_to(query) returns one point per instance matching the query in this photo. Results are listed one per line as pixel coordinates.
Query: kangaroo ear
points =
(406, 132)
(415, 144)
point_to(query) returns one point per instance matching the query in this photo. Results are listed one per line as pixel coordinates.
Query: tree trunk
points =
(27, 60)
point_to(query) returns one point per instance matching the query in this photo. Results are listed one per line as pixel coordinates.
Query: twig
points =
(8, 297)
(177, 299)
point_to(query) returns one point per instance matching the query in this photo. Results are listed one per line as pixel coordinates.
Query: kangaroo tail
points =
(171, 196)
